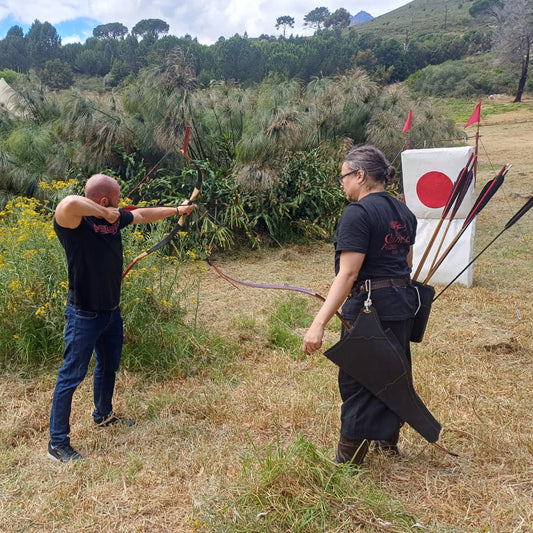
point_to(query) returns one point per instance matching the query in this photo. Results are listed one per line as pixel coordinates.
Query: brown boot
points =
(390, 445)
(353, 451)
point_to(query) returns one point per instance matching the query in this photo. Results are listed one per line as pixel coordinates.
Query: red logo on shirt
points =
(396, 238)
(397, 226)
(104, 228)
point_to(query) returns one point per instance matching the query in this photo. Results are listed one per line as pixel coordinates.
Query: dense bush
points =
(302, 201)
(268, 154)
(464, 78)
(33, 290)
(9, 75)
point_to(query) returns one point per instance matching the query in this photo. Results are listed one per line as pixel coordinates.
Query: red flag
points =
(475, 117)
(407, 125)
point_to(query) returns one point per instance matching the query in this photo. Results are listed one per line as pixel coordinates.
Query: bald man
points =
(88, 228)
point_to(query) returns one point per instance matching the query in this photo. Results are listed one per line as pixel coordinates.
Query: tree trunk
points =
(523, 77)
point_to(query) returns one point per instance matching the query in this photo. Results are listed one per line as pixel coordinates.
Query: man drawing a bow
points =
(89, 229)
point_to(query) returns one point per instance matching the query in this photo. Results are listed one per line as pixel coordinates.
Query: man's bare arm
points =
(145, 215)
(71, 209)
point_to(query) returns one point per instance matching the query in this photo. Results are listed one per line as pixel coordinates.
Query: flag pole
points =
(477, 146)
(475, 117)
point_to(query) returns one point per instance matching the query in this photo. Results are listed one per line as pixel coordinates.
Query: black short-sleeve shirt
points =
(384, 229)
(381, 227)
(95, 261)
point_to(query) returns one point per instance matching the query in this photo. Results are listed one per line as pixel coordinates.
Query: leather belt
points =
(360, 286)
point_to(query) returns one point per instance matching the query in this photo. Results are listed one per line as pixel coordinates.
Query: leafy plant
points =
(32, 285)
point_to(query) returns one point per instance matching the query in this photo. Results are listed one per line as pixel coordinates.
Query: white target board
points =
(428, 177)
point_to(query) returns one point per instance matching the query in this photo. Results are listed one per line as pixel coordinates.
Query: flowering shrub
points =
(34, 285)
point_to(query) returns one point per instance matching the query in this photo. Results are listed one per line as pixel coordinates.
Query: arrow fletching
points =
(459, 187)
(515, 218)
(488, 191)
(483, 198)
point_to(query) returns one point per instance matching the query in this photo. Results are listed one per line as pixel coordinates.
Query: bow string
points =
(180, 224)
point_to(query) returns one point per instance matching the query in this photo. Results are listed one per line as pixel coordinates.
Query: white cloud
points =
(205, 19)
(75, 38)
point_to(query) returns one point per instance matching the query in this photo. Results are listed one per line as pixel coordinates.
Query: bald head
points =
(103, 190)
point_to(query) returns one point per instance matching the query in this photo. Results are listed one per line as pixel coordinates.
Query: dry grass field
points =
(181, 468)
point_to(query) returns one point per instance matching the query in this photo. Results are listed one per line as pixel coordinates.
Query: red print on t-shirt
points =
(104, 228)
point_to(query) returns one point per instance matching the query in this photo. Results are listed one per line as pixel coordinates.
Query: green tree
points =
(112, 30)
(128, 52)
(90, 62)
(42, 43)
(316, 17)
(9, 75)
(119, 71)
(70, 52)
(13, 50)
(284, 63)
(239, 59)
(338, 19)
(57, 74)
(152, 27)
(284, 22)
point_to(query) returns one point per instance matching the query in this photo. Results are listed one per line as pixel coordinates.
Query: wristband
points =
(177, 210)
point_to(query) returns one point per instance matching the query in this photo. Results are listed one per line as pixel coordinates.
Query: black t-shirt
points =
(95, 261)
(384, 229)
(381, 227)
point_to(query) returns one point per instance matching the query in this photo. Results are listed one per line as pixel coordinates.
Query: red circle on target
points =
(433, 189)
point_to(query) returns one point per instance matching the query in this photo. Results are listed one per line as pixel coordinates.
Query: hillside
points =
(422, 17)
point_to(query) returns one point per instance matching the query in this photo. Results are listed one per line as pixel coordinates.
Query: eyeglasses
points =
(342, 176)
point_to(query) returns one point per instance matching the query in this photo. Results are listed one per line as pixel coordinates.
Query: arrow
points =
(460, 197)
(457, 188)
(483, 198)
(517, 216)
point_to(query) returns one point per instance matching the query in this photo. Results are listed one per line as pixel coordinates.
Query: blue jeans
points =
(86, 332)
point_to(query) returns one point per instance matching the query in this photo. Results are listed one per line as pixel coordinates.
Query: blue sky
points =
(207, 20)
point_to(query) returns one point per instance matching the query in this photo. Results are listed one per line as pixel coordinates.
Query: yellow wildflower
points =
(15, 286)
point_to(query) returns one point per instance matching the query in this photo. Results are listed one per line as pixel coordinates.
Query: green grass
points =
(460, 109)
(288, 315)
(297, 488)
